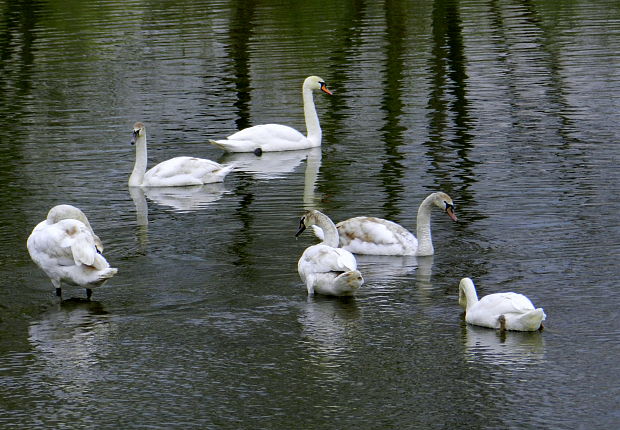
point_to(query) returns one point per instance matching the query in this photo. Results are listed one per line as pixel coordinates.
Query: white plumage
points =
(324, 268)
(277, 137)
(65, 247)
(176, 172)
(378, 236)
(506, 311)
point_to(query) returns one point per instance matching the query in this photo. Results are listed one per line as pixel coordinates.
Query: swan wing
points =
(370, 235)
(65, 243)
(487, 311)
(77, 238)
(323, 259)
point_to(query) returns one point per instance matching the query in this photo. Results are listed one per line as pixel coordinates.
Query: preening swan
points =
(276, 137)
(505, 311)
(65, 247)
(324, 268)
(378, 236)
(176, 172)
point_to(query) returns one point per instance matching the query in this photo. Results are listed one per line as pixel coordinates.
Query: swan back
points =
(324, 268)
(277, 137)
(175, 172)
(518, 311)
(378, 236)
(375, 236)
(65, 248)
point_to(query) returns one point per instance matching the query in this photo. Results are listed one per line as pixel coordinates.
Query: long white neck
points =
(139, 168)
(330, 232)
(313, 127)
(423, 227)
(467, 294)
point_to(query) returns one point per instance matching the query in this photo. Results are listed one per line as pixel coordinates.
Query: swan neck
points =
(470, 295)
(139, 168)
(313, 127)
(423, 228)
(330, 232)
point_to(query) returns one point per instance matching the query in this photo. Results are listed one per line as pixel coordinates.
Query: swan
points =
(378, 236)
(65, 247)
(176, 172)
(276, 137)
(324, 268)
(506, 311)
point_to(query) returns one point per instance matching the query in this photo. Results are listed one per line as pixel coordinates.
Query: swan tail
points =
(105, 275)
(530, 321)
(219, 174)
(348, 282)
(219, 143)
(227, 168)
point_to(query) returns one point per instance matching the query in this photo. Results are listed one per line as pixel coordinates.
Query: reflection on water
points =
(385, 269)
(514, 349)
(186, 199)
(328, 330)
(67, 338)
(273, 165)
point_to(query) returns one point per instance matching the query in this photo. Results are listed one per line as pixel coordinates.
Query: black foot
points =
(89, 293)
(502, 323)
(58, 292)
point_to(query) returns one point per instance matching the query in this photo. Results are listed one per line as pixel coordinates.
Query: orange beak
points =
(325, 90)
(451, 214)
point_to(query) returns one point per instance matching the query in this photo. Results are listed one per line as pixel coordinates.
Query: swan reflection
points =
(495, 347)
(68, 339)
(329, 327)
(387, 271)
(186, 199)
(273, 165)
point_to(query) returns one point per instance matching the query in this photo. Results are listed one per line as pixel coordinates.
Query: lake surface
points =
(510, 107)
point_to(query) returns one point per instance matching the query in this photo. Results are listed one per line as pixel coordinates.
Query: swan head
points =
(60, 212)
(466, 288)
(308, 219)
(316, 83)
(139, 130)
(445, 203)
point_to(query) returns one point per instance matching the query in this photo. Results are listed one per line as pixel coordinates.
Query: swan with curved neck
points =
(324, 268)
(175, 172)
(378, 236)
(277, 137)
(504, 311)
(65, 247)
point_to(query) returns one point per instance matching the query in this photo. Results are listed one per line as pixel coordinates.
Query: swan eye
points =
(449, 206)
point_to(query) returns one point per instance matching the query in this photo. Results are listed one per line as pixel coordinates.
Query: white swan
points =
(324, 268)
(506, 311)
(176, 172)
(276, 137)
(65, 247)
(378, 236)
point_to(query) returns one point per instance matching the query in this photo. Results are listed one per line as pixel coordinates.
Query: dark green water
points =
(511, 107)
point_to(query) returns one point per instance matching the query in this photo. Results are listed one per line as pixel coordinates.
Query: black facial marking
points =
(302, 226)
